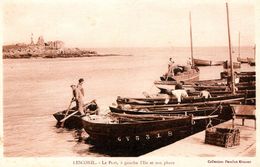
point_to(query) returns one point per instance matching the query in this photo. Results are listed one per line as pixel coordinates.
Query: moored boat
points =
(171, 101)
(125, 132)
(251, 61)
(200, 117)
(74, 121)
(226, 65)
(210, 81)
(168, 111)
(201, 62)
(185, 75)
(247, 76)
(214, 92)
(210, 88)
(242, 60)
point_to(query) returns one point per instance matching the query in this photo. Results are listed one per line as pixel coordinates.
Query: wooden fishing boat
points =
(132, 131)
(251, 61)
(199, 82)
(223, 88)
(200, 62)
(187, 75)
(74, 121)
(199, 117)
(163, 86)
(226, 65)
(210, 88)
(243, 76)
(248, 76)
(242, 60)
(138, 117)
(168, 111)
(171, 101)
(108, 131)
(221, 93)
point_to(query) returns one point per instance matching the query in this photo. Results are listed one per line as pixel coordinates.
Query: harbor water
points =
(34, 89)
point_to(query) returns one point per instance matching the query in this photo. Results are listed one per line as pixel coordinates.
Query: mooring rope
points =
(218, 107)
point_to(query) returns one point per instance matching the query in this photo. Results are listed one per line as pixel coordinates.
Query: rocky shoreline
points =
(26, 52)
(47, 49)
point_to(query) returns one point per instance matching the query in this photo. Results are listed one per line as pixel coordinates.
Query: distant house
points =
(54, 44)
(58, 44)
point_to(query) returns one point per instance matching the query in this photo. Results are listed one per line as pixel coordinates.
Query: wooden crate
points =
(225, 137)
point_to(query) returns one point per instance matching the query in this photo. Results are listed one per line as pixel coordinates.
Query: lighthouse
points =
(32, 43)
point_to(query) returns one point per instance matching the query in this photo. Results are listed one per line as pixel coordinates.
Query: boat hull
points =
(226, 65)
(172, 101)
(203, 111)
(251, 61)
(200, 62)
(137, 134)
(243, 76)
(186, 76)
(74, 122)
(242, 60)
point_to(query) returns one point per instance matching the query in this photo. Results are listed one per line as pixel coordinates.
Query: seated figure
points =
(205, 94)
(179, 93)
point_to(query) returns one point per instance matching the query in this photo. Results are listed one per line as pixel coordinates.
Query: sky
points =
(129, 23)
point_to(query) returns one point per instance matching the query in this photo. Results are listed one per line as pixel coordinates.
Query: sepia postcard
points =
(133, 83)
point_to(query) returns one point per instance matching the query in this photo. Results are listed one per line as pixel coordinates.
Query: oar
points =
(68, 109)
(62, 125)
(65, 118)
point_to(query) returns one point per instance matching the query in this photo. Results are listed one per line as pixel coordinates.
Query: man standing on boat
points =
(170, 65)
(79, 86)
(80, 96)
(189, 63)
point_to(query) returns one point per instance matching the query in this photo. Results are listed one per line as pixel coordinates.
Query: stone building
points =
(54, 44)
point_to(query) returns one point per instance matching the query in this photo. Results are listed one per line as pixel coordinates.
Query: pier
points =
(194, 146)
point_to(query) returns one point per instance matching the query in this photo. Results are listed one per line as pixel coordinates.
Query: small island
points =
(50, 49)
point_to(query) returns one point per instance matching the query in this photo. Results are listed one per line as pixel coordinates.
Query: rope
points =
(219, 107)
(221, 120)
(209, 124)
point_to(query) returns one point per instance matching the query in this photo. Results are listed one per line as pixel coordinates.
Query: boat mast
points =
(191, 46)
(230, 55)
(239, 44)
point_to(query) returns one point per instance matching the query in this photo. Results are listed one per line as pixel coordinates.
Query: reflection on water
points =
(34, 89)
